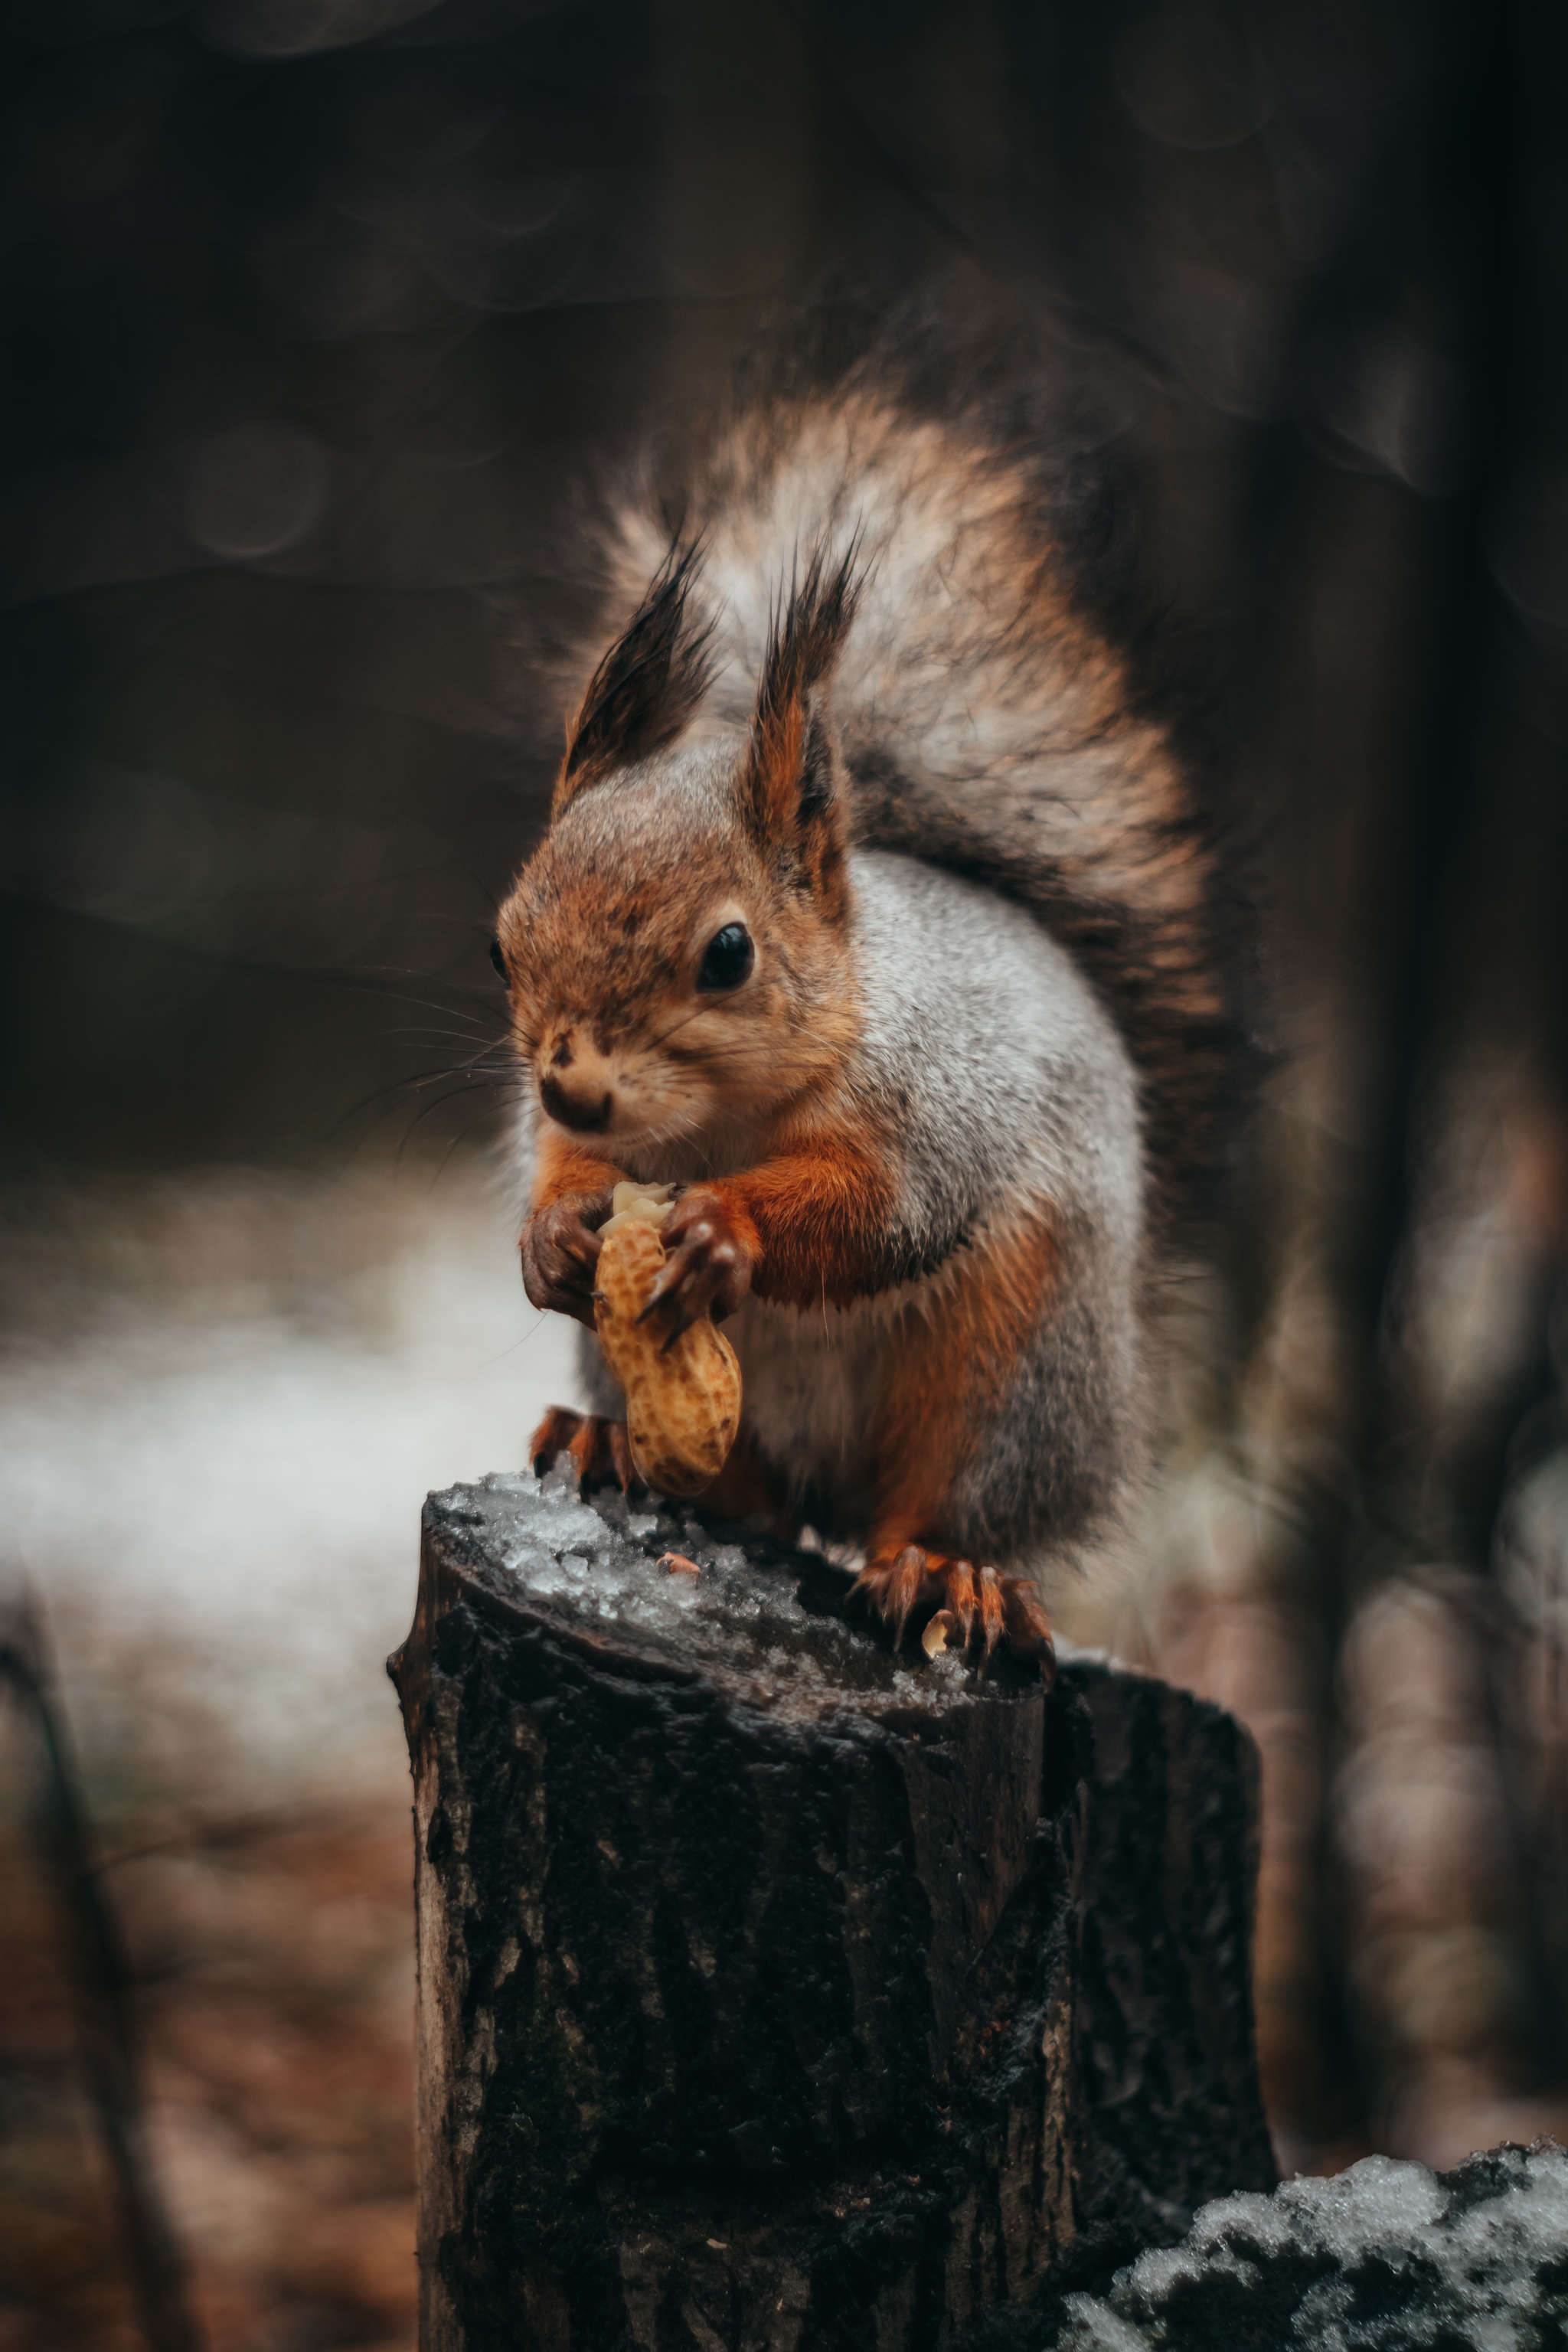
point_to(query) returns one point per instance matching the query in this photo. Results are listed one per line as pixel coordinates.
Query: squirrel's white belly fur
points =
(813, 1381)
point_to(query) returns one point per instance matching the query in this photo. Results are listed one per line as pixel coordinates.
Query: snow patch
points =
(1386, 2257)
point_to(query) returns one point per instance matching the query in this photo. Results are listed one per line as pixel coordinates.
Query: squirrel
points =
(879, 913)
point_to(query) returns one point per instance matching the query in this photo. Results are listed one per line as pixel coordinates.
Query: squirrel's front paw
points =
(710, 1251)
(560, 1251)
(956, 1598)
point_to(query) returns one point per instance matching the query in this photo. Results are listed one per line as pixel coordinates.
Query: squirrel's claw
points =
(682, 1318)
(993, 1614)
(708, 1270)
(977, 1602)
(905, 1587)
(1028, 1627)
(560, 1249)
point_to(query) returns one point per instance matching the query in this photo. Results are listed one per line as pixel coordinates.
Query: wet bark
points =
(776, 1993)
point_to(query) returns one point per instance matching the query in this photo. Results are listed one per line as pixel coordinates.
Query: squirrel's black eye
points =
(499, 961)
(727, 960)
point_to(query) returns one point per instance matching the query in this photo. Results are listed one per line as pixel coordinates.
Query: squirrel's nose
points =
(585, 1113)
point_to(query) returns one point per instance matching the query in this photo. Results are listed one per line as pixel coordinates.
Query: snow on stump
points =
(778, 1994)
(1386, 2257)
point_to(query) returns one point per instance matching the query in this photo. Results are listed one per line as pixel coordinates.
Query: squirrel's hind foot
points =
(601, 1456)
(935, 1589)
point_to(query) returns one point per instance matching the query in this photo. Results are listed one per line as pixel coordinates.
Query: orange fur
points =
(603, 952)
(777, 744)
(816, 1218)
(564, 1167)
(952, 1378)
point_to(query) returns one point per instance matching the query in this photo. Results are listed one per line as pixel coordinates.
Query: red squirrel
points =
(877, 913)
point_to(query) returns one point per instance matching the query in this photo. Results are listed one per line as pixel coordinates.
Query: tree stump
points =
(779, 1994)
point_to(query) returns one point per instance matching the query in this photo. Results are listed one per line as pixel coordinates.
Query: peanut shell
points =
(683, 1407)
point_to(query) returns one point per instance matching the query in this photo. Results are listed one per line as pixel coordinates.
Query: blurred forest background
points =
(313, 311)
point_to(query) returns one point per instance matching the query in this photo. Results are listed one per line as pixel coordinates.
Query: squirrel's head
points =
(677, 949)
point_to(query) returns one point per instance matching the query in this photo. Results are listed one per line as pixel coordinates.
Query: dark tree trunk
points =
(777, 1993)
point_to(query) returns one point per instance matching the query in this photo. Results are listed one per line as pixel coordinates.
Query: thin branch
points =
(108, 2020)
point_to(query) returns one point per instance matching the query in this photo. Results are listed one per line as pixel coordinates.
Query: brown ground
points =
(274, 1963)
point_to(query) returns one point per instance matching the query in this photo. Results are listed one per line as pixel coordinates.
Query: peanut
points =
(683, 1404)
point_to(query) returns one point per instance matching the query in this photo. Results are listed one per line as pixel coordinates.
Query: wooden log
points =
(779, 1994)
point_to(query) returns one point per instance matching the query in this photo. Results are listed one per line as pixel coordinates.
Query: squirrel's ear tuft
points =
(648, 686)
(791, 784)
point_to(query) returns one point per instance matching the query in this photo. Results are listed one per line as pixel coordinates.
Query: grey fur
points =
(1012, 1095)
